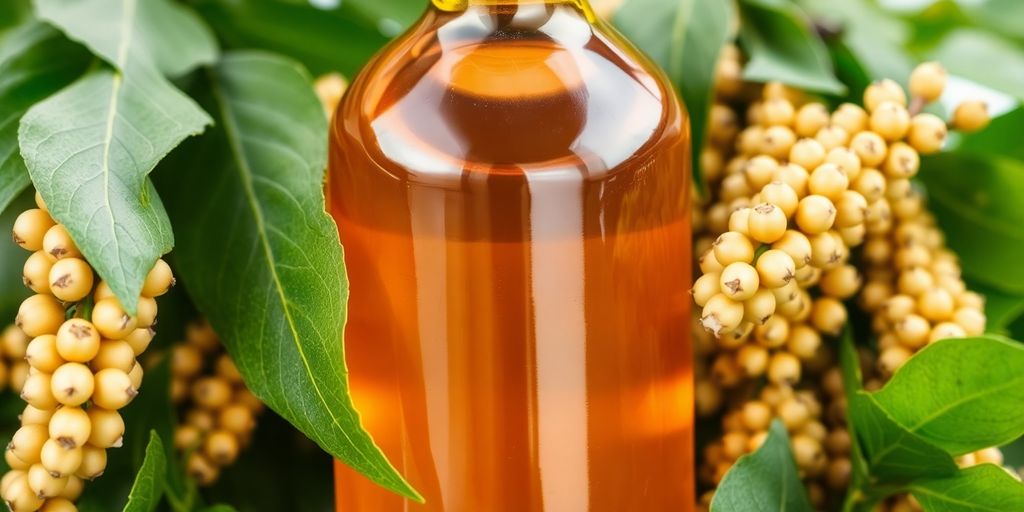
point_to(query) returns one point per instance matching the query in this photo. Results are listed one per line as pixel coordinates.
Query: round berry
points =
(40, 314)
(42, 354)
(114, 389)
(841, 282)
(57, 243)
(107, 428)
(33, 416)
(832, 136)
(783, 368)
(721, 314)
(796, 245)
(809, 119)
(828, 180)
(871, 184)
(902, 162)
(236, 418)
(927, 133)
(777, 141)
(114, 354)
(781, 195)
(221, 447)
(815, 214)
(828, 315)
(767, 223)
(58, 460)
(77, 340)
(36, 272)
(969, 116)
(882, 91)
(37, 391)
(803, 342)
(159, 280)
(140, 339)
(20, 497)
(111, 320)
(775, 268)
(30, 227)
(891, 359)
(846, 160)
(70, 426)
(927, 81)
(94, 462)
(212, 392)
(890, 120)
(851, 118)
(72, 384)
(27, 442)
(807, 153)
(733, 247)
(71, 279)
(870, 147)
(201, 469)
(759, 307)
(187, 361)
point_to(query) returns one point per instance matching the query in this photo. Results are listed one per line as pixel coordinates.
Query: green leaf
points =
(960, 394)
(337, 41)
(849, 363)
(684, 37)
(12, 291)
(776, 37)
(218, 508)
(893, 453)
(767, 477)
(35, 62)
(389, 17)
(873, 39)
(1000, 15)
(981, 488)
(89, 149)
(149, 481)
(262, 259)
(166, 34)
(976, 201)
(983, 58)
(1001, 137)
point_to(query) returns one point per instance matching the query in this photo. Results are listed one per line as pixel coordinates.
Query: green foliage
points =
(261, 257)
(982, 488)
(149, 480)
(767, 477)
(35, 62)
(684, 37)
(976, 201)
(781, 46)
(959, 51)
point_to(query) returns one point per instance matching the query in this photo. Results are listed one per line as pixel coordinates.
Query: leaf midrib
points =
(246, 175)
(923, 422)
(680, 27)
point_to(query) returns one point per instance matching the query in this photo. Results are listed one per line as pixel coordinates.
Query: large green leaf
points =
(685, 38)
(983, 58)
(961, 395)
(149, 481)
(873, 38)
(976, 200)
(261, 257)
(849, 363)
(982, 488)
(340, 40)
(89, 149)
(165, 33)
(1001, 137)
(1000, 15)
(781, 46)
(35, 62)
(766, 480)
(390, 17)
(891, 451)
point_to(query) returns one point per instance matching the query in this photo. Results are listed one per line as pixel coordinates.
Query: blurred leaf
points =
(35, 62)
(13, 13)
(1003, 16)
(389, 17)
(849, 363)
(893, 453)
(781, 46)
(684, 37)
(977, 203)
(149, 481)
(981, 488)
(875, 40)
(933, 23)
(983, 58)
(219, 508)
(324, 41)
(167, 34)
(262, 259)
(1001, 137)
(767, 477)
(961, 395)
(12, 258)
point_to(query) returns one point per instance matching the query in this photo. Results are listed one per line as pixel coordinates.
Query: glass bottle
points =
(510, 181)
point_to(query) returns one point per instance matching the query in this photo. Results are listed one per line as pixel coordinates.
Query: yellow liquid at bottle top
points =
(511, 187)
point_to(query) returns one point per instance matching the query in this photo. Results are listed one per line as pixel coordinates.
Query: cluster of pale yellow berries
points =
(218, 412)
(13, 367)
(789, 193)
(82, 367)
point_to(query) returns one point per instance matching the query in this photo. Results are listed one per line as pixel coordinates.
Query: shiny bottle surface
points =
(510, 184)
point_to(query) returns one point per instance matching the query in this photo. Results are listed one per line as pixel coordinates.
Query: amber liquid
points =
(513, 205)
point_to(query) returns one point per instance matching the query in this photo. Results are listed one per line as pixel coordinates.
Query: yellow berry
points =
(767, 223)
(882, 91)
(40, 314)
(722, 314)
(927, 133)
(27, 443)
(890, 120)
(114, 354)
(37, 391)
(927, 81)
(58, 460)
(159, 280)
(114, 389)
(221, 447)
(815, 214)
(36, 272)
(30, 227)
(72, 384)
(733, 247)
(42, 354)
(94, 462)
(111, 320)
(140, 339)
(107, 428)
(71, 279)
(870, 147)
(213, 392)
(70, 426)
(77, 340)
(57, 243)
(971, 116)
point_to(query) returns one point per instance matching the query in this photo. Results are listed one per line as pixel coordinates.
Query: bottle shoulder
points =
(473, 92)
